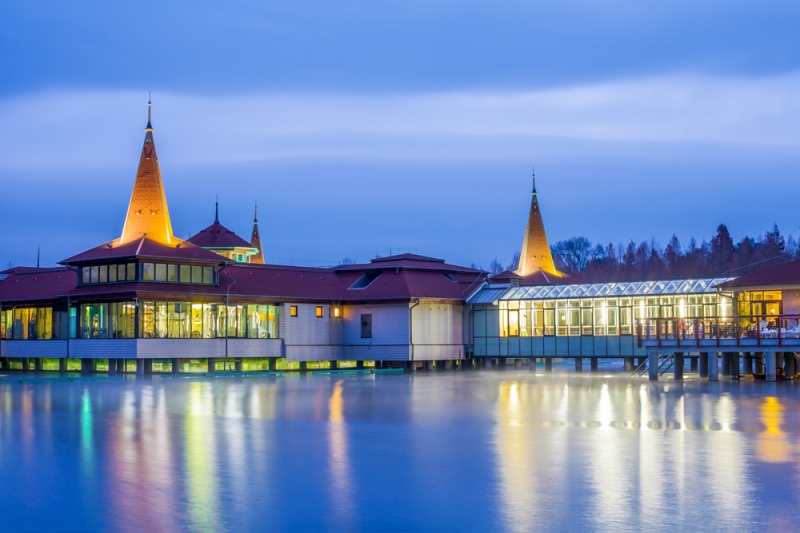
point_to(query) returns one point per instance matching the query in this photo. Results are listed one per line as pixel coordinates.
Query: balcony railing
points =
(693, 331)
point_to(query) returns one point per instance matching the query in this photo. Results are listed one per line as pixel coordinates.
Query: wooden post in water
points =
(677, 365)
(703, 360)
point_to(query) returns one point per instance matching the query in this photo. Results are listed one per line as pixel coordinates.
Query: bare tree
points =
(574, 253)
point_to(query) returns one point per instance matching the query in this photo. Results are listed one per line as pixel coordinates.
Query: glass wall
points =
(33, 323)
(602, 316)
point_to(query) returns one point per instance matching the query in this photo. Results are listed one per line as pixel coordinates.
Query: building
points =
(150, 301)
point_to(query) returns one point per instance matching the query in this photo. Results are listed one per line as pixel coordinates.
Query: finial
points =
(533, 177)
(38, 255)
(255, 215)
(216, 210)
(149, 106)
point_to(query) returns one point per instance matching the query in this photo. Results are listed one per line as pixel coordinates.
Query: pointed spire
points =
(533, 177)
(38, 255)
(255, 241)
(535, 254)
(216, 211)
(149, 114)
(147, 211)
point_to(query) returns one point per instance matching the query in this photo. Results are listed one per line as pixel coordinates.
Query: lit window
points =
(319, 311)
(85, 274)
(103, 273)
(161, 272)
(337, 312)
(293, 310)
(172, 272)
(131, 272)
(148, 271)
(185, 273)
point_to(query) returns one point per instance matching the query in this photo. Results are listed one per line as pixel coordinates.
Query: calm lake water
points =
(471, 451)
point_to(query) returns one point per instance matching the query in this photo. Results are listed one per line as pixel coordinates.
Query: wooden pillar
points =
(733, 370)
(790, 365)
(703, 363)
(770, 366)
(652, 366)
(677, 365)
(713, 366)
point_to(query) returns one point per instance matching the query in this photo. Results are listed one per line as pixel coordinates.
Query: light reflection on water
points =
(488, 451)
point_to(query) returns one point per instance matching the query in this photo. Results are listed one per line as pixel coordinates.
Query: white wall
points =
(438, 331)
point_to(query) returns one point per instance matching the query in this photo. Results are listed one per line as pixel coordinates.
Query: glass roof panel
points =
(672, 287)
(589, 290)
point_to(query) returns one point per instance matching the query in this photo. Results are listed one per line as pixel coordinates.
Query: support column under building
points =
(789, 365)
(770, 366)
(693, 364)
(112, 367)
(532, 364)
(487, 362)
(212, 365)
(652, 366)
(627, 363)
(703, 364)
(87, 365)
(759, 369)
(713, 366)
(37, 364)
(578, 364)
(517, 363)
(548, 364)
(62, 364)
(176, 366)
(238, 365)
(677, 365)
(747, 364)
(594, 364)
(726, 363)
(733, 367)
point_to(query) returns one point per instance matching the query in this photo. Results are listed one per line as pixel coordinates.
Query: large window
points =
(108, 273)
(34, 323)
(183, 320)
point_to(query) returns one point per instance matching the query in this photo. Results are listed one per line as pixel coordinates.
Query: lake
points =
(440, 451)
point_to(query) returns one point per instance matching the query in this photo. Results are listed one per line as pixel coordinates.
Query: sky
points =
(364, 128)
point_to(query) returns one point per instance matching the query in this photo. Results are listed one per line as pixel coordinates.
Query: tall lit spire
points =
(255, 241)
(535, 254)
(147, 211)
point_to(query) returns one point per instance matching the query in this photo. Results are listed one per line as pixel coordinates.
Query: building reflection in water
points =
(772, 445)
(545, 429)
(201, 458)
(339, 462)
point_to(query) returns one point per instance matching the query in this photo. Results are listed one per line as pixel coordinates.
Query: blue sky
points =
(361, 127)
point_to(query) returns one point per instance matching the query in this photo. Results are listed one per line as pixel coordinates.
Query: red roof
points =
(145, 248)
(785, 274)
(408, 261)
(537, 277)
(243, 281)
(218, 236)
(26, 284)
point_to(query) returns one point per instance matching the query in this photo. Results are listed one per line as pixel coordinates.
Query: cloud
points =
(102, 129)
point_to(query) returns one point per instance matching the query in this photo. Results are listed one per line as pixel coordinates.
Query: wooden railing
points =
(691, 331)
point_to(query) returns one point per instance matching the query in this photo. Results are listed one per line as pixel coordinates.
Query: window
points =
(112, 273)
(366, 326)
(186, 274)
(197, 274)
(103, 273)
(85, 275)
(364, 281)
(208, 275)
(336, 312)
(95, 274)
(27, 324)
(172, 272)
(161, 272)
(131, 268)
(148, 271)
(293, 311)
(319, 311)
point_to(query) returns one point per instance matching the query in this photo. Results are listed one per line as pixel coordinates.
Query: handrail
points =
(689, 331)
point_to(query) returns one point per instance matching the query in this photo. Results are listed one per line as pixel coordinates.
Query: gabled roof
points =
(408, 261)
(218, 236)
(145, 248)
(785, 274)
(27, 284)
(147, 211)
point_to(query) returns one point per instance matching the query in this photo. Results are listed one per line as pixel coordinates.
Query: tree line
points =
(648, 260)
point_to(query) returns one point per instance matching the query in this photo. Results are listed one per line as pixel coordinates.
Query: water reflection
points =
(455, 451)
(201, 457)
(772, 445)
(339, 464)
